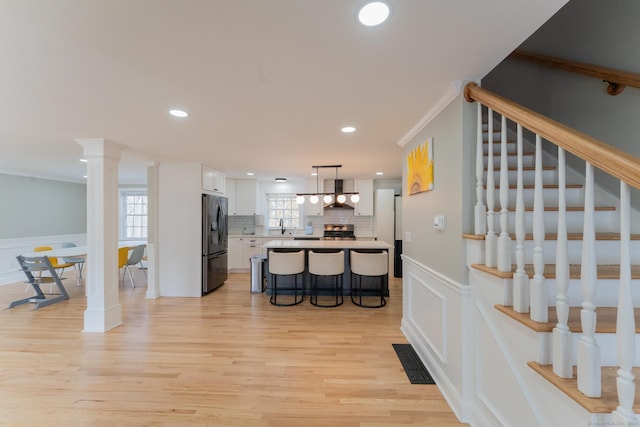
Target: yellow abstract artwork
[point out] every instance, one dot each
(420, 168)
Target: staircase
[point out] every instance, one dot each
(553, 262)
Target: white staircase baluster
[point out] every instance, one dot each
(520, 277)
(539, 307)
(491, 240)
(588, 350)
(504, 241)
(625, 325)
(562, 345)
(481, 209)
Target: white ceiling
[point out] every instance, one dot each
(268, 84)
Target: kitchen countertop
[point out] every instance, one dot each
(288, 236)
(327, 244)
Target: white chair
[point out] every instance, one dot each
(330, 264)
(77, 261)
(134, 259)
(369, 265)
(286, 264)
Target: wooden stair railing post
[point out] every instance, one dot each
(491, 240)
(625, 324)
(504, 241)
(480, 209)
(539, 305)
(520, 278)
(589, 358)
(562, 342)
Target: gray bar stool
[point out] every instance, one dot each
(369, 264)
(326, 264)
(286, 263)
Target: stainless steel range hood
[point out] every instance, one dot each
(338, 188)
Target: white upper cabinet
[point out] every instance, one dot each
(308, 207)
(242, 195)
(230, 193)
(365, 206)
(212, 180)
(246, 196)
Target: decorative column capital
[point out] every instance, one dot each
(100, 148)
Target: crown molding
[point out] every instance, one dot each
(451, 94)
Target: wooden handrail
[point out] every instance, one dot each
(615, 162)
(617, 80)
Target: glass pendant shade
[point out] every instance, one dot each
(314, 199)
(341, 198)
(327, 199)
(355, 198)
(300, 200)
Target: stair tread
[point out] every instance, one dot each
(605, 404)
(605, 323)
(554, 236)
(526, 168)
(548, 186)
(605, 271)
(556, 208)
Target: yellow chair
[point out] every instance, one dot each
(54, 263)
(123, 257)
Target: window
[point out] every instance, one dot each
(133, 216)
(283, 207)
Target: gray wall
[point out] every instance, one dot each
(39, 207)
(452, 196)
(590, 31)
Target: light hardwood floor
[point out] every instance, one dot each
(228, 359)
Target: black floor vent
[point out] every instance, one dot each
(413, 366)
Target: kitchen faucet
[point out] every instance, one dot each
(282, 229)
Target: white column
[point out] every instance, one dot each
(153, 286)
(103, 306)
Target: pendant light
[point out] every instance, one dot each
(327, 197)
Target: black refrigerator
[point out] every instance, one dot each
(214, 242)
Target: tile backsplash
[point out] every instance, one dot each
(363, 225)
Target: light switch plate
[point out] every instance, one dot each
(438, 222)
(407, 236)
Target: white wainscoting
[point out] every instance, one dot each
(436, 320)
(11, 248)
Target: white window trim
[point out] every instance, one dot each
(287, 225)
(122, 217)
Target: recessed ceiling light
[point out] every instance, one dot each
(84, 176)
(250, 173)
(348, 129)
(314, 173)
(83, 160)
(374, 13)
(178, 113)
(379, 173)
(281, 179)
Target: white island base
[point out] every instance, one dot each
(320, 245)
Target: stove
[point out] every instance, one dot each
(338, 232)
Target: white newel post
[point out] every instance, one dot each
(153, 285)
(103, 305)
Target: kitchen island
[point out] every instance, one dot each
(307, 245)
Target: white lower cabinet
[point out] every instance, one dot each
(234, 254)
(251, 246)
